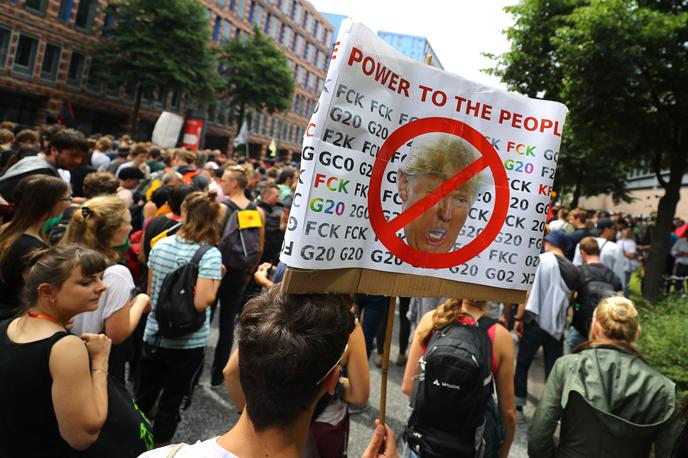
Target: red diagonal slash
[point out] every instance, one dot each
(438, 194)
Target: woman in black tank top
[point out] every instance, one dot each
(53, 384)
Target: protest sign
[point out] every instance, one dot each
(418, 182)
(167, 129)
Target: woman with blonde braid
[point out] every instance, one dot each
(501, 364)
(608, 400)
(102, 224)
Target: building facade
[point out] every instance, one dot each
(45, 48)
(411, 46)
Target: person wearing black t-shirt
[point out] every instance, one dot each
(37, 198)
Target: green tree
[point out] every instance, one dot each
(158, 43)
(621, 67)
(255, 74)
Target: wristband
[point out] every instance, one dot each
(518, 319)
(99, 369)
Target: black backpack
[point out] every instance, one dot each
(595, 286)
(240, 248)
(175, 311)
(451, 393)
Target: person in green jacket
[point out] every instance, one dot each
(609, 401)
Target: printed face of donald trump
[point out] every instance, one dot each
(433, 160)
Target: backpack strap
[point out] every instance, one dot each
(202, 250)
(228, 212)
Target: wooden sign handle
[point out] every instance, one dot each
(385, 356)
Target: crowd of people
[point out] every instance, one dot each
(101, 234)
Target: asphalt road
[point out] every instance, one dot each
(212, 414)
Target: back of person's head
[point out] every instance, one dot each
(95, 224)
(286, 174)
(176, 196)
(589, 246)
(53, 267)
(201, 222)
(185, 155)
(618, 318)
(34, 197)
(562, 213)
(69, 139)
(288, 344)
(27, 136)
(103, 144)
(272, 173)
(238, 174)
(154, 153)
(6, 137)
(140, 149)
(580, 214)
(99, 184)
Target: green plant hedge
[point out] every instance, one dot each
(664, 340)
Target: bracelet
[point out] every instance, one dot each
(518, 319)
(99, 369)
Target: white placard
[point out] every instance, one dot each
(167, 128)
(407, 168)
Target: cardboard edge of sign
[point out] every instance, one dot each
(348, 281)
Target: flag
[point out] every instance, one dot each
(242, 137)
(248, 219)
(273, 148)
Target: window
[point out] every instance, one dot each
(130, 92)
(221, 3)
(37, 6)
(93, 82)
(226, 32)
(240, 8)
(268, 19)
(232, 5)
(112, 89)
(251, 11)
(86, 14)
(315, 29)
(174, 102)
(255, 125)
(4, 45)
(65, 13)
(237, 33)
(286, 4)
(25, 56)
(258, 18)
(305, 21)
(305, 50)
(281, 34)
(76, 69)
(297, 12)
(307, 80)
(274, 27)
(51, 61)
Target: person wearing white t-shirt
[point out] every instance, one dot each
(611, 254)
(630, 251)
(290, 347)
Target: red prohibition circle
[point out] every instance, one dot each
(386, 230)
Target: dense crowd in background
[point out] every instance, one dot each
(102, 235)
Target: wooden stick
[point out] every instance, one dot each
(385, 356)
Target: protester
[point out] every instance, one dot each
(38, 199)
(499, 362)
(680, 253)
(274, 235)
(53, 385)
(606, 399)
(630, 251)
(281, 392)
(541, 320)
(100, 184)
(99, 157)
(103, 224)
(611, 255)
(235, 281)
(596, 282)
(329, 431)
(168, 365)
(129, 179)
(67, 149)
(285, 181)
(578, 218)
(561, 224)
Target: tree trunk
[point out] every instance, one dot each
(577, 192)
(653, 284)
(242, 112)
(134, 118)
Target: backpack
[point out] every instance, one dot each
(240, 241)
(451, 394)
(595, 286)
(175, 311)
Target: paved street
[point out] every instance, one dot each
(212, 414)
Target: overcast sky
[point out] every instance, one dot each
(458, 30)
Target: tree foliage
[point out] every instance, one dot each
(158, 43)
(621, 67)
(255, 74)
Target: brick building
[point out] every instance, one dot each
(45, 50)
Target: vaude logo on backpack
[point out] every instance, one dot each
(240, 242)
(175, 311)
(450, 393)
